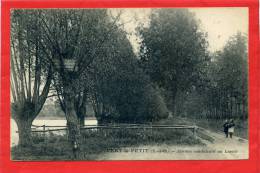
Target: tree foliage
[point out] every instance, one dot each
(173, 49)
(230, 75)
(121, 91)
(223, 94)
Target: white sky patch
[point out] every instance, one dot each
(219, 23)
(130, 19)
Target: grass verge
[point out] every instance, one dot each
(94, 143)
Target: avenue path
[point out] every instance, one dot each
(221, 148)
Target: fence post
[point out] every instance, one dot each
(194, 131)
(44, 131)
(44, 140)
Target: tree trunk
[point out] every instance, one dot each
(244, 107)
(100, 120)
(82, 120)
(73, 125)
(24, 131)
(81, 116)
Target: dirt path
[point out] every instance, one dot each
(220, 149)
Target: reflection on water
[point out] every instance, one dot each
(40, 122)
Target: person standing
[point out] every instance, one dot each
(231, 128)
(225, 126)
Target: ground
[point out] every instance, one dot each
(221, 148)
(207, 144)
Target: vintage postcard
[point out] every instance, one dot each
(129, 87)
(129, 84)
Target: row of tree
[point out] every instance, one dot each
(79, 56)
(224, 95)
(54, 48)
(195, 82)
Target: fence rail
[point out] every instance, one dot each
(120, 126)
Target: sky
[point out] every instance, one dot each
(219, 23)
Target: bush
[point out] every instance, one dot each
(146, 106)
(153, 107)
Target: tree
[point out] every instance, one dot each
(172, 50)
(231, 76)
(31, 73)
(222, 91)
(121, 91)
(74, 38)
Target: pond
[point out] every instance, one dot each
(48, 122)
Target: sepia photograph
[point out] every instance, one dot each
(129, 84)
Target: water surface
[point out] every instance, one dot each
(46, 122)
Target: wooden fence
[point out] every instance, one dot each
(45, 128)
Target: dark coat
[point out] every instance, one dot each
(226, 126)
